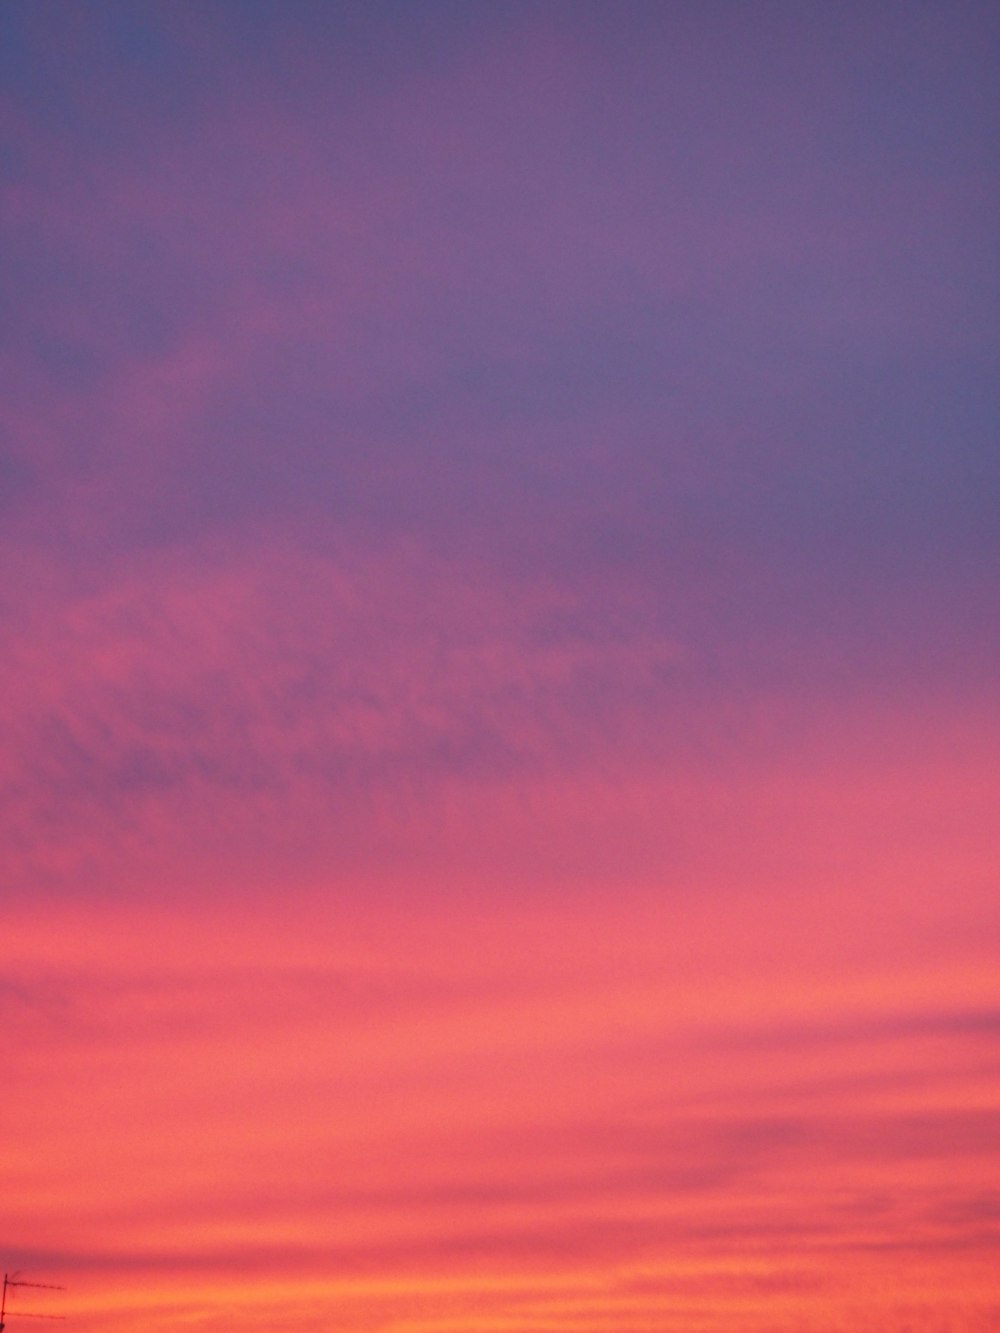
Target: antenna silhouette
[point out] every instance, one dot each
(15, 1280)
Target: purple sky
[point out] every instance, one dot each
(663, 325)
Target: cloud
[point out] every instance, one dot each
(249, 676)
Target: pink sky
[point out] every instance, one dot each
(498, 709)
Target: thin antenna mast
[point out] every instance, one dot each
(13, 1280)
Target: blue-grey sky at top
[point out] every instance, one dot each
(687, 312)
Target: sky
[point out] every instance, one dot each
(498, 665)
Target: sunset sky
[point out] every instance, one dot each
(499, 732)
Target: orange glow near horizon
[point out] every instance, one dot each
(660, 1111)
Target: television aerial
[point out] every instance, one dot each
(15, 1280)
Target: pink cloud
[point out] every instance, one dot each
(563, 1130)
